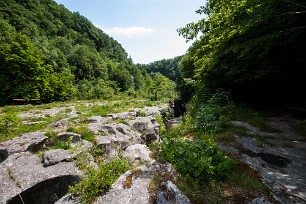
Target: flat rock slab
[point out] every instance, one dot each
(33, 141)
(280, 159)
(24, 174)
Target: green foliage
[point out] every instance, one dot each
(52, 54)
(241, 51)
(198, 159)
(167, 67)
(162, 88)
(54, 143)
(22, 71)
(96, 182)
(213, 114)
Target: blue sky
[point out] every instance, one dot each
(145, 28)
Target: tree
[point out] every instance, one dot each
(22, 70)
(252, 48)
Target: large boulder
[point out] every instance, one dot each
(23, 176)
(32, 142)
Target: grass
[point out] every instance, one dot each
(85, 133)
(96, 182)
(54, 143)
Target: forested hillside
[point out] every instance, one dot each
(252, 49)
(52, 54)
(167, 67)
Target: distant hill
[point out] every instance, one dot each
(167, 67)
(52, 54)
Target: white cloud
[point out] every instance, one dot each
(129, 32)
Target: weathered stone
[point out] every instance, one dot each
(132, 187)
(260, 200)
(23, 175)
(60, 123)
(279, 157)
(98, 119)
(96, 122)
(150, 110)
(86, 145)
(123, 115)
(69, 199)
(171, 194)
(148, 127)
(105, 142)
(55, 156)
(69, 137)
(137, 152)
(33, 142)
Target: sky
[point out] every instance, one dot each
(145, 28)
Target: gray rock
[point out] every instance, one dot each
(23, 175)
(171, 194)
(137, 152)
(148, 127)
(86, 145)
(123, 115)
(60, 123)
(98, 119)
(260, 200)
(69, 137)
(69, 199)
(55, 156)
(33, 142)
(96, 122)
(132, 187)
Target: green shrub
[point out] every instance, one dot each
(96, 182)
(213, 114)
(198, 159)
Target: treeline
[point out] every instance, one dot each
(52, 54)
(167, 67)
(254, 50)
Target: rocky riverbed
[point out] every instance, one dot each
(30, 172)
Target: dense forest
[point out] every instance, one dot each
(51, 54)
(254, 50)
(167, 67)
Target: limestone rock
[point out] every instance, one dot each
(69, 199)
(33, 141)
(137, 152)
(260, 200)
(55, 156)
(23, 175)
(148, 126)
(69, 136)
(171, 195)
(132, 187)
(123, 115)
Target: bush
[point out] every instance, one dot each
(197, 159)
(213, 114)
